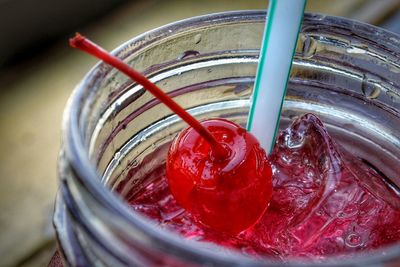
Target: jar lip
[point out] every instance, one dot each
(78, 159)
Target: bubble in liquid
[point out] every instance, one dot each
(295, 141)
(353, 240)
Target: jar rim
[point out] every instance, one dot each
(78, 158)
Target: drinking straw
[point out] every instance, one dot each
(276, 56)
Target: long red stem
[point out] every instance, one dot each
(89, 47)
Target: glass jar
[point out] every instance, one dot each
(346, 72)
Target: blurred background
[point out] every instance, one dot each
(38, 72)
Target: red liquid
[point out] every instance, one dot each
(325, 202)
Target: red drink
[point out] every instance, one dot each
(325, 202)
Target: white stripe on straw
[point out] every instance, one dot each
(276, 56)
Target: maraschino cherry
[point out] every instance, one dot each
(216, 170)
(228, 194)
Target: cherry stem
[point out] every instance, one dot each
(91, 48)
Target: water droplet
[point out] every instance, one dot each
(369, 88)
(241, 89)
(318, 16)
(396, 40)
(117, 155)
(134, 163)
(114, 112)
(197, 38)
(393, 96)
(355, 50)
(309, 46)
(188, 53)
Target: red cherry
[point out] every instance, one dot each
(227, 194)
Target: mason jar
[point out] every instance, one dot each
(346, 72)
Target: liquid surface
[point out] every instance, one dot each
(325, 202)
